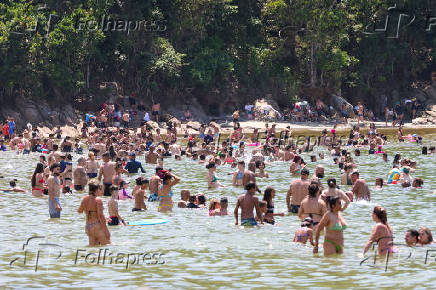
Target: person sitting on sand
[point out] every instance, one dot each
(305, 232)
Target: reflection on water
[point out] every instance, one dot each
(197, 250)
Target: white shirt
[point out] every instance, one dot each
(146, 117)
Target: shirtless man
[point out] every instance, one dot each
(155, 111)
(154, 185)
(151, 156)
(248, 202)
(107, 171)
(79, 174)
(139, 194)
(53, 187)
(100, 146)
(360, 187)
(50, 142)
(91, 166)
(298, 189)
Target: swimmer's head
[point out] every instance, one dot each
(201, 199)
(380, 213)
(214, 204)
(114, 190)
(263, 206)
(93, 187)
(224, 202)
(333, 202)
(331, 182)
(13, 183)
(251, 186)
(417, 182)
(307, 222)
(379, 181)
(305, 172)
(313, 189)
(406, 170)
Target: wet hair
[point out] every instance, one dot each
(250, 186)
(331, 182)
(424, 150)
(13, 183)
(397, 158)
(224, 200)
(53, 166)
(210, 165)
(201, 199)
(380, 212)
(418, 181)
(305, 171)
(114, 188)
(192, 198)
(158, 169)
(296, 158)
(331, 201)
(93, 187)
(380, 180)
(202, 157)
(267, 195)
(39, 169)
(262, 204)
(213, 203)
(313, 189)
(428, 232)
(414, 233)
(357, 152)
(139, 181)
(431, 148)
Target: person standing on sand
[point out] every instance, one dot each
(155, 111)
(53, 187)
(248, 202)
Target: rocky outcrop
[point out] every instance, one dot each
(337, 103)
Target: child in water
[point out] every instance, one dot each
(114, 216)
(122, 193)
(305, 232)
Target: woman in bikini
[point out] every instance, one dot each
(312, 206)
(38, 181)
(295, 167)
(268, 197)
(334, 224)
(212, 181)
(165, 191)
(261, 173)
(382, 233)
(95, 228)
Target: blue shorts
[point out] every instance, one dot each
(153, 197)
(294, 208)
(52, 208)
(92, 175)
(248, 222)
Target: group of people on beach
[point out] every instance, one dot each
(112, 154)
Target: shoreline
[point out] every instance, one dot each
(300, 129)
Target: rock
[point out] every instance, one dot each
(153, 124)
(430, 91)
(175, 122)
(194, 125)
(338, 101)
(266, 105)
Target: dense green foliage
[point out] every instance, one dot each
(243, 48)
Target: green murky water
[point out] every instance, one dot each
(194, 250)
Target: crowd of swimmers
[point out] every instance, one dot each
(114, 153)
